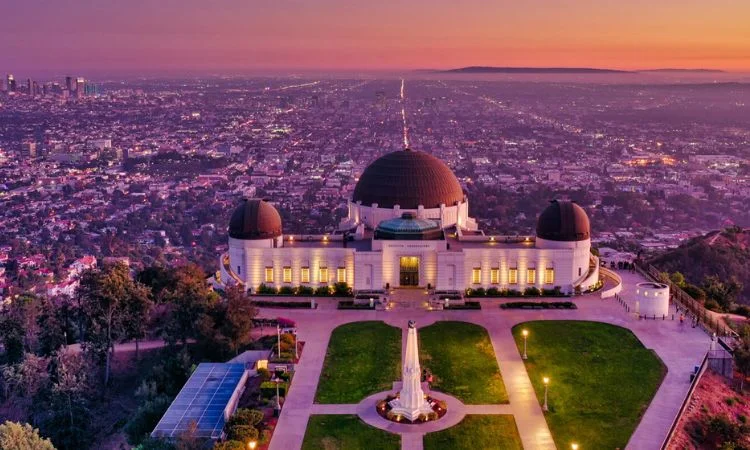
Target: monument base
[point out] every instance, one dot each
(411, 414)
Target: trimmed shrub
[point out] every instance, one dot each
(281, 304)
(342, 289)
(539, 305)
(264, 289)
(286, 290)
(242, 433)
(305, 291)
(349, 304)
(532, 291)
(493, 292)
(322, 291)
(268, 389)
(245, 416)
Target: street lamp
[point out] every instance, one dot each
(574, 446)
(545, 407)
(525, 334)
(251, 445)
(278, 338)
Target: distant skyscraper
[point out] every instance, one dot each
(80, 88)
(11, 83)
(29, 87)
(69, 84)
(28, 149)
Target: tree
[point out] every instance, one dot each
(137, 307)
(742, 355)
(230, 445)
(143, 421)
(189, 302)
(18, 326)
(64, 405)
(104, 293)
(27, 377)
(724, 293)
(17, 436)
(237, 321)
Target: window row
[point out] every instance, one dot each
(476, 276)
(304, 275)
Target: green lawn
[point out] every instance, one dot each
(462, 361)
(487, 432)
(346, 432)
(363, 358)
(601, 380)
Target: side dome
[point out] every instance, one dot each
(408, 178)
(563, 221)
(255, 219)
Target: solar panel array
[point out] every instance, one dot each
(202, 400)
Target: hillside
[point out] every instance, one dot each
(722, 253)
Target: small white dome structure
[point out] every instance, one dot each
(652, 299)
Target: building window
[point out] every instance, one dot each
(513, 276)
(549, 276)
(341, 274)
(269, 275)
(495, 275)
(323, 275)
(239, 270)
(305, 274)
(530, 276)
(287, 274)
(476, 275)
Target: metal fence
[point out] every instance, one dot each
(693, 307)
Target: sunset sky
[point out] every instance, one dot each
(215, 35)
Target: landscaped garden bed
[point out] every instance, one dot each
(465, 305)
(346, 432)
(505, 293)
(283, 304)
(539, 305)
(362, 358)
(350, 304)
(462, 361)
(602, 379)
(486, 432)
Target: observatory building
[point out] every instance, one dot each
(408, 225)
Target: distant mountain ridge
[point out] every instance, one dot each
(489, 69)
(563, 70)
(723, 253)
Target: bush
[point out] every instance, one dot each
(712, 305)
(554, 292)
(229, 445)
(145, 418)
(695, 292)
(266, 290)
(493, 292)
(242, 433)
(532, 291)
(155, 444)
(264, 374)
(282, 304)
(305, 291)
(512, 293)
(742, 310)
(466, 305)
(268, 389)
(286, 290)
(538, 305)
(342, 289)
(322, 291)
(245, 416)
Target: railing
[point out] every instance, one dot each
(611, 292)
(692, 306)
(670, 435)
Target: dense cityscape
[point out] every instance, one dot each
(148, 170)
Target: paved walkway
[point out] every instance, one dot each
(679, 347)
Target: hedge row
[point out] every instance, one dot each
(539, 305)
(349, 304)
(289, 305)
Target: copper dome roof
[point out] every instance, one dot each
(408, 178)
(563, 221)
(255, 219)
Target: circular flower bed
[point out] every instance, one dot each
(439, 409)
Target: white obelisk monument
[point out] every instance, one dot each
(411, 402)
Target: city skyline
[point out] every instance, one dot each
(75, 35)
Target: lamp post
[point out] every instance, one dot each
(278, 338)
(278, 402)
(525, 334)
(545, 407)
(296, 354)
(574, 446)
(251, 445)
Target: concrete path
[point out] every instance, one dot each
(680, 348)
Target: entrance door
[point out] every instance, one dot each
(409, 271)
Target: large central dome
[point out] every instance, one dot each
(408, 178)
